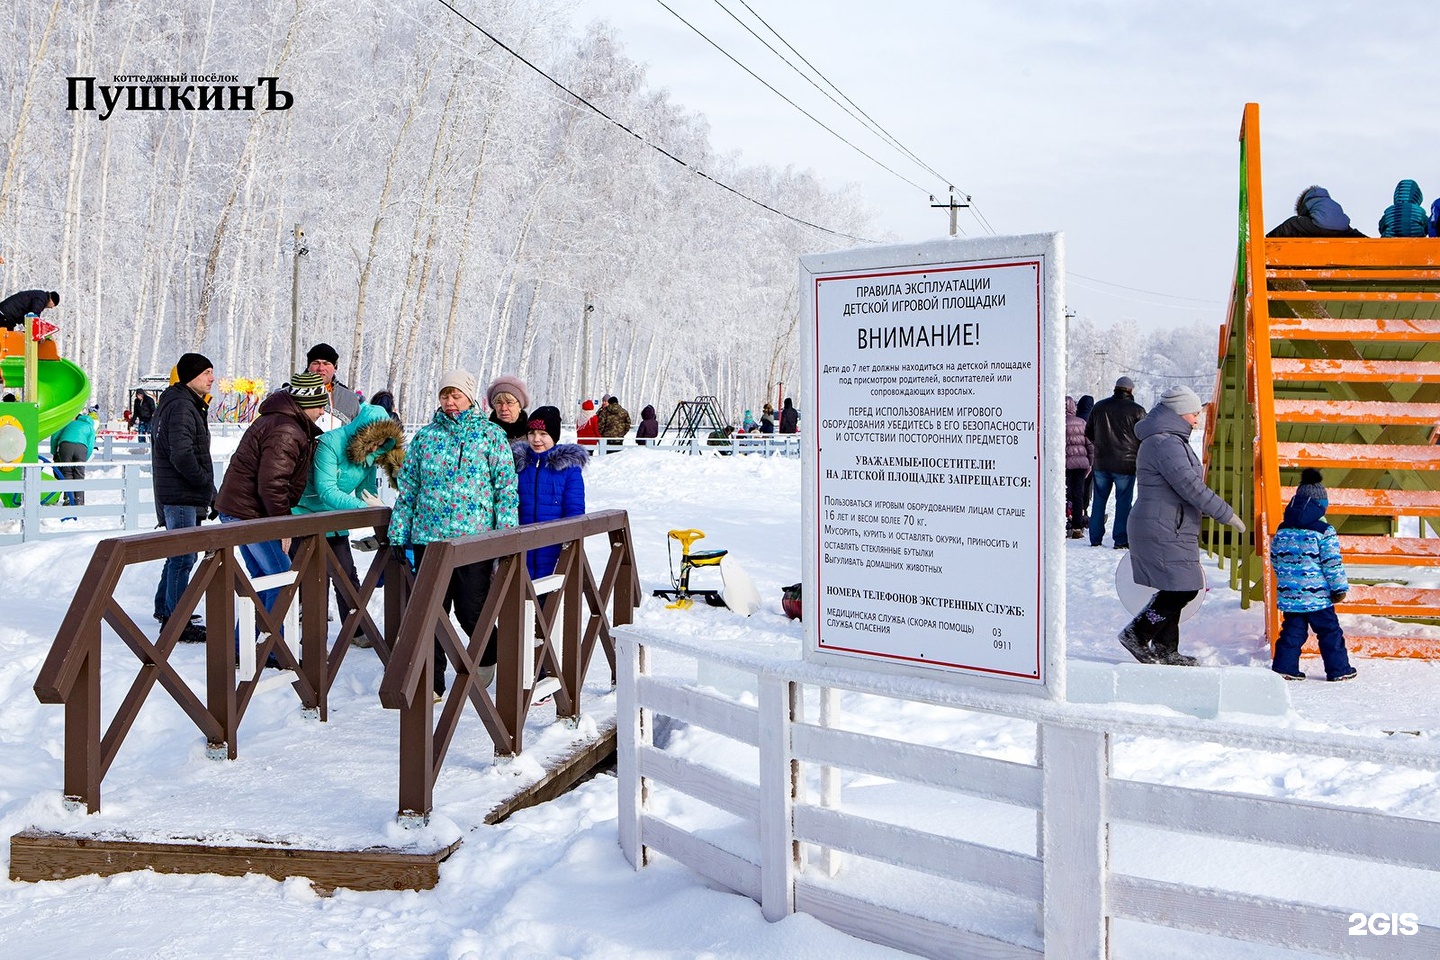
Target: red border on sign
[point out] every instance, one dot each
(814, 434)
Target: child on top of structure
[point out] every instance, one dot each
(1305, 553)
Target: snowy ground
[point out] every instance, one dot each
(551, 881)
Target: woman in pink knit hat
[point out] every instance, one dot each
(508, 398)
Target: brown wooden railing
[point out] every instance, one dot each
(71, 672)
(579, 605)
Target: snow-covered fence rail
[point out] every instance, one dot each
(118, 490)
(1050, 882)
(758, 444)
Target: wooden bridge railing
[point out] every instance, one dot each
(573, 616)
(71, 672)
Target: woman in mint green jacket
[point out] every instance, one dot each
(343, 477)
(458, 479)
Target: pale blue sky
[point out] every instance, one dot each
(1114, 122)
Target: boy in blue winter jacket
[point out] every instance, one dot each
(1310, 577)
(549, 482)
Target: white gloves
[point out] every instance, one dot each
(370, 499)
(1237, 523)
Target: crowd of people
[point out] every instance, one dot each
(1146, 459)
(465, 471)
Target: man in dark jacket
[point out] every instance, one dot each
(1316, 215)
(14, 307)
(183, 474)
(789, 417)
(142, 411)
(1111, 428)
(269, 469)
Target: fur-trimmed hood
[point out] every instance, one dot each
(562, 456)
(379, 438)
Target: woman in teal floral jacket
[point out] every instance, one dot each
(458, 478)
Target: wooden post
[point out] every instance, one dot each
(417, 744)
(314, 623)
(1074, 842)
(572, 599)
(632, 731)
(509, 682)
(82, 730)
(829, 777)
(777, 799)
(220, 651)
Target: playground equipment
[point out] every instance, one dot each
(1330, 358)
(694, 418)
(54, 391)
(738, 591)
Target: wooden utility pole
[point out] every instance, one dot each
(299, 251)
(585, 312)
(954, 206)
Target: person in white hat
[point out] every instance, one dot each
(1165, 526)
(458, 478)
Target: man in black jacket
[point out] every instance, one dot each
(1111, 428)
(184, 474)
(14, 307)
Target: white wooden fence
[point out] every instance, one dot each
(1063, 898)
(119, 490)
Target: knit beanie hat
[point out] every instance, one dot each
(190, 366)
(511, 385)
(1182, 400)
(461, 380)
(308, 390)
(1125, 383)
(1312, 485)
(547, 419)
(322, 351)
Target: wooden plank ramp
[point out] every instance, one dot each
(48, 855)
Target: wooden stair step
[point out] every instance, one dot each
(1413, 275)
(1369, 502)
(1353, 328)
(1404, 551)
(1356, 296)
(1357, 411)
(1419, 648)
(1351, 253)
(1372, 456)
(1356, 371)
(1391, 601)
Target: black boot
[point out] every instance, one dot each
(1167, 645)
(1140, 633)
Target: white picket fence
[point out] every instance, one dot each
(758, 444)
(1062, 899)
(119, 492)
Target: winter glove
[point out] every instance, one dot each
(1337, 596)
(1237, 523)
(370, 499)
(214, 514)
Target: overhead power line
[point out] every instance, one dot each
(817, 121)
(643, 139)
(868, 120)
(853, 109)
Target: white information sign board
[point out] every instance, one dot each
(933, 471)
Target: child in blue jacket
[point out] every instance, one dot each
(549, 481)
(1310, 576)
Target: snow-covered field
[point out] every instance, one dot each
(551, 881)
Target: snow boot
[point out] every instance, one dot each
(1167, 644)
(1141, 632)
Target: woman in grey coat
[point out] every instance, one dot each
(1171, 496)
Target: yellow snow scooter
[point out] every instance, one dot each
(738, 591)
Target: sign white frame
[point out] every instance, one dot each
(979, 307)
